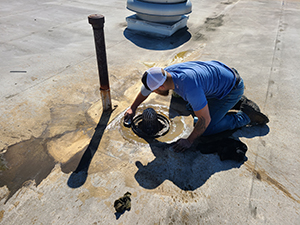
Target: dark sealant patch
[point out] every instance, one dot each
(30, 160)
(226, 3)
(212, 23)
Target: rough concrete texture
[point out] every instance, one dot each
(51, 116)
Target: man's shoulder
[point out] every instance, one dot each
(181, 65)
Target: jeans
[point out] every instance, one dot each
(218, 109)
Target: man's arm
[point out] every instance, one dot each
(201, 125)
(129, 114)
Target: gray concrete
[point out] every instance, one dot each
(50, 106)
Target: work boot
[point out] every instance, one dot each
(245, 101)
(255, 116)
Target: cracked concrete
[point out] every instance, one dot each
(52, 121)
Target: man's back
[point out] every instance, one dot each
(198, 81)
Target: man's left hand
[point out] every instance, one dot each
(181, 145)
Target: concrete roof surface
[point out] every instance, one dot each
(52, 120)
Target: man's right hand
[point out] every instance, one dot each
(129, 114)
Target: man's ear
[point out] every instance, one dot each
(162, 87)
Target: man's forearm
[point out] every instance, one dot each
(202, 123)
(199, 129)
(138, 100)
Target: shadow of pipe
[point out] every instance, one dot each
(78, 177)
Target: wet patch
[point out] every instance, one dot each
(27, 160)
(63, 141)
(181, 55)
(178, 125)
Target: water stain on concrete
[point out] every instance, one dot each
(27, 160)
(180, 55)
(96, 192)
(34, 159)
(3, 164)
(1, 215)
(262, 175)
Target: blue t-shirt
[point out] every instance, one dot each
(198, 81)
